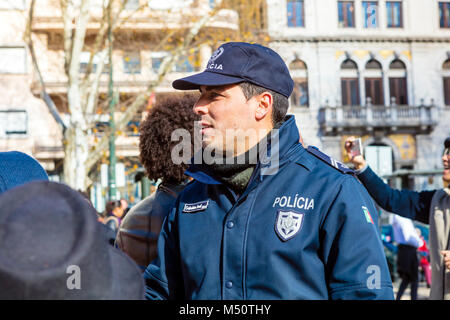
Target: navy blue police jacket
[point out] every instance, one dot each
(306, 230)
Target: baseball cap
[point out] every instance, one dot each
(235, 62)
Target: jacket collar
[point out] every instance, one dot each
(279, 148)
(171, 188)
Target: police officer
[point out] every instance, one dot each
(280, 223)
(430, 207)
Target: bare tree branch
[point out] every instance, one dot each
(29, 41)
(93, 94)
(142, 98)
(68, 30)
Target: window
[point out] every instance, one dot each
(444, 14)
(350, 83)
(350, 91)
(374, 83)
(299, 72)
(373, 65)
(374, 90)
(370, 14)
(349, 65)
(394, 14)
(84, 61)
(132, 5)
(13, 60)
(184, 64)
(446, 69)
(346, 12)
(397, 65)
(12, 4)
(397, 87)
(295, 13)
(157, 59)
(132, 62)
(447, 91)
(299, 97)
(397, 83)
(13, 122)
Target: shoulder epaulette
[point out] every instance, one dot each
(330, 161)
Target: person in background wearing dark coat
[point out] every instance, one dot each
(429, 206)
(408, 241)
(139, 231)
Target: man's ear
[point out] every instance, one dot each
(264, 107)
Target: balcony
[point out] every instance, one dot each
(366, 119)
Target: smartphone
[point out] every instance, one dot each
(356, 148)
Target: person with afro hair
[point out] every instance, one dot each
(139, 231)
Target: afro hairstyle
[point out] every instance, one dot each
(168, 114)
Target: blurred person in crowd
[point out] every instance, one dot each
(86, 197)
(113, 215)
(430, 207)
(17, 168)
(424, 263)
(53, 248)
(408, 241)
(139, 231)
(266, 218)
(125, 207)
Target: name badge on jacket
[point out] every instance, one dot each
(195, 207)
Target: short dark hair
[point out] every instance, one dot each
(155, 144)
(447, 143)
(280, 102)
(111, 205)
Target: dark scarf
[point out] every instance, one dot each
(236, 173)
(235, 176)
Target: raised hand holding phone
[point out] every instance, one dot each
(354, 150)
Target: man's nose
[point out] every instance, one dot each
(200, 108)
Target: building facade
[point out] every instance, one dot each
(26, 120)
(375, 69)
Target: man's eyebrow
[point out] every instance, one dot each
(217, 89)
(209, 88)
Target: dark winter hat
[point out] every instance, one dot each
(236, 62)
(52, 247)
(17, 168)
(447, 143)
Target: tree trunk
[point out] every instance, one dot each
(76, 154)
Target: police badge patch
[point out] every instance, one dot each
(288, 224)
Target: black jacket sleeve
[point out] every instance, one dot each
(406, 203)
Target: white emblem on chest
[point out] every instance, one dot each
(288, 224)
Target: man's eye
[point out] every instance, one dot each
(214, 95)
